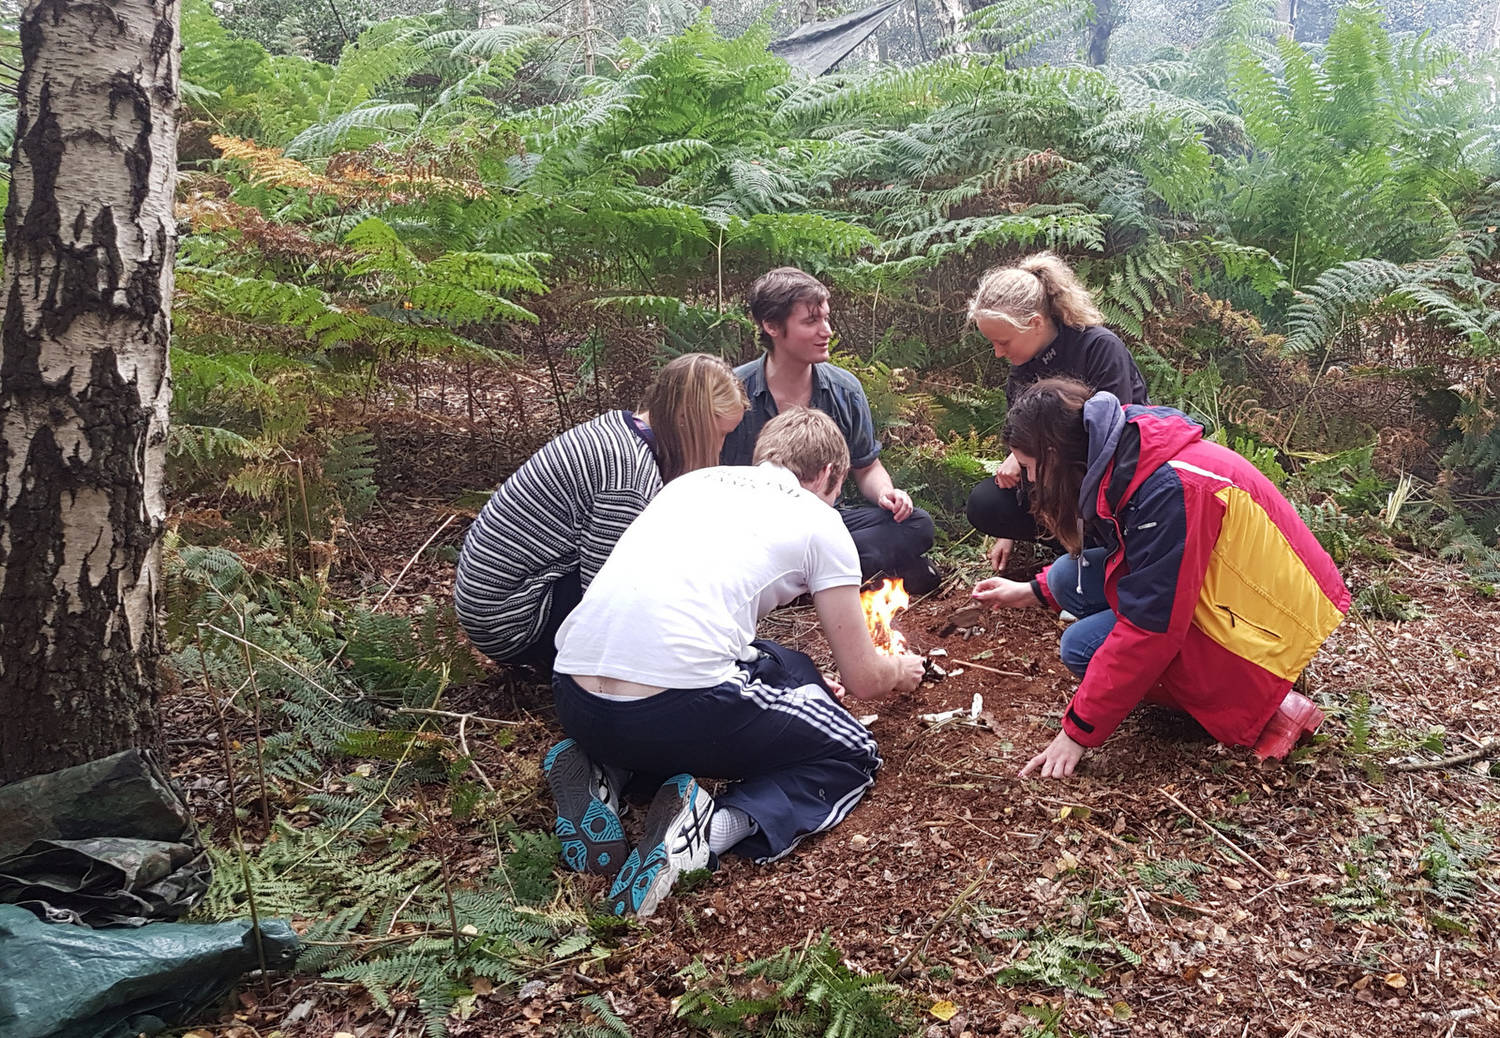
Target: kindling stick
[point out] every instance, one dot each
(1217, 835)
(992, 670)
(1485, 752)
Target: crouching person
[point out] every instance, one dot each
(659, 673)
(1208, 594)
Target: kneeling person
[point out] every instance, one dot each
(659, 672)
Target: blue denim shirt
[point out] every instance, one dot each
(835, 392)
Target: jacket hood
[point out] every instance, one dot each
(1103, 421)
(1136, 439)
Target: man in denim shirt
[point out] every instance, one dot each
(790, 308)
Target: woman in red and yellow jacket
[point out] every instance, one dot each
(1210, 595)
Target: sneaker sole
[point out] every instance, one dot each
(675, 841)
(593, 840)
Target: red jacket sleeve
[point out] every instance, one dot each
(1168, 533)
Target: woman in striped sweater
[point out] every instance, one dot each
(544, 534)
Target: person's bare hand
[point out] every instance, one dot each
(896, 502)
(1009, 473)
(999, 553)
(1058, 760)
(1003, 593)
(909, 672)
(836, 687)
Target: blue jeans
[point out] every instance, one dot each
(1084, 598)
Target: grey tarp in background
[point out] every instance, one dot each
(817, 46)
(107, 843)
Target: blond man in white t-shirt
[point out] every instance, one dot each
(659, 672)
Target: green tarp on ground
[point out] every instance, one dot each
(96, 861)
(63, 981)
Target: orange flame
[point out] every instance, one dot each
(880, 606)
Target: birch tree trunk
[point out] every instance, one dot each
(1286, 14)
(951, 13)
(84, 387)
(1107, 18)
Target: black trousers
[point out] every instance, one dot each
(798, 759)
(567, 592)
(1001, 512)
(891, 548)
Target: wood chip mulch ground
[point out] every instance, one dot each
(1278, 898)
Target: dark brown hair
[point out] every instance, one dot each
(777, 293)
(1046, 425)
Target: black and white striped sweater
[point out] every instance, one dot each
(563, 510)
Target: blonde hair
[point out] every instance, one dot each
(1039, 284)
(806, 441)
(685, 401)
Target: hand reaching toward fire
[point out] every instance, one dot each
(909, 671)
(1003, 593)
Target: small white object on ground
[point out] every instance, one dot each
(946, 715)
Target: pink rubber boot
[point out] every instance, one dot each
(1296, 717)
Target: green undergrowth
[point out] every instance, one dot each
(808, 991)
(381, 824)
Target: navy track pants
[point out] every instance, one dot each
(799, 762)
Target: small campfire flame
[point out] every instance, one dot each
(880, 606)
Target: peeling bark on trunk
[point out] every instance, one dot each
(1107, 19)
(951, 13)
(84, 386)
(1286, 14)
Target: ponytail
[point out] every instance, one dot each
(1039, 284)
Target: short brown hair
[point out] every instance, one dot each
(806, 441)
(776, 294)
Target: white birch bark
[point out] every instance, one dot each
(951, 12)
(84, 382)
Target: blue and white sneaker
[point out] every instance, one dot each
(588, 811)
(675, 841)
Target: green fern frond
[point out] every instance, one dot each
(375, 118)
(1013, 28)
(1321, 307)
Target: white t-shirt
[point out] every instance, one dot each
(678, 600)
